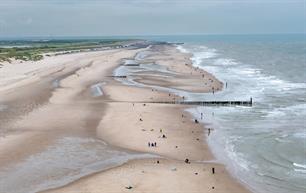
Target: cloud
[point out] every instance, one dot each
(3, 25)
(138, 3)
(129, 17)
(28, 21)
(2, 22)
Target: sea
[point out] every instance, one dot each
(264, 146)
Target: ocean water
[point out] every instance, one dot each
(265, 145)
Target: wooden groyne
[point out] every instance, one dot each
(118, 76)
(205, 103)
(131, 65)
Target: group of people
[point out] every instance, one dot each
(196, 121)
(152, 144)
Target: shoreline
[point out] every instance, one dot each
(190, 144)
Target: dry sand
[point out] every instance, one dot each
(168, 176)
(118, 117)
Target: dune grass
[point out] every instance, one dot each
(34, 50)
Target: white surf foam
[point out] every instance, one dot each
(225, 62)
(300, 168)
(300, 135)
(300, 165)
(294, 110)
(202, 53)
(182, 49)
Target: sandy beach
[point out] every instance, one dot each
(76, 96)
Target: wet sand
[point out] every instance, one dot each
(118, 118)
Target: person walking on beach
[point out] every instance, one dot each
(201, 115)
(154, 144)
(149, 144)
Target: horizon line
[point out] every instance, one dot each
(124, 36)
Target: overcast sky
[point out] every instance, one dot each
(19, 18)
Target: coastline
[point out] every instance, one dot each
(126, 124)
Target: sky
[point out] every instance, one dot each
(37, 18)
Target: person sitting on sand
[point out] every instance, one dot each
(187, 161)
(164, 136)
(129, 187)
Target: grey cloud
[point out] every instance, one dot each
(137, 17)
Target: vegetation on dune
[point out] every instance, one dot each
(8, 54)
(34, 50)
